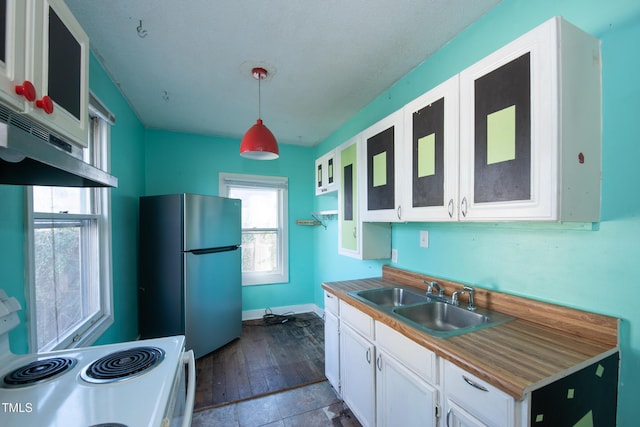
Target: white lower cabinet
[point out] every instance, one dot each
(332, 348)
(406, 381)
(458, 417)
(402, 398)
(357, 375)
(385, 378)
(469, 401)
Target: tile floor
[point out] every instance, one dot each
(315, 405)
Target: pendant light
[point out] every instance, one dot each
(259, 143)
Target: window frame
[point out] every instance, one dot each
(227, 180)
(91, 328)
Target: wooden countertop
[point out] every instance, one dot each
(545, 343)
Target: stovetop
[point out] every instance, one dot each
(89, 391)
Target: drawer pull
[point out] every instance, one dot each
(474, 384)
(368, 355)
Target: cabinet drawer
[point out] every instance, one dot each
(480, 399)
(331, 303)
(411, 354)
(356, 319)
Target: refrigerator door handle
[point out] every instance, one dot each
(214, 250)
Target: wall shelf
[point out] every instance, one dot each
(320, 218)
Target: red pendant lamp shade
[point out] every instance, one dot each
(259, 143)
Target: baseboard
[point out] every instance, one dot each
(302, 308)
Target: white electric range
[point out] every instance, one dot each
(132, 384)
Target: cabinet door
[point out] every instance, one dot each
(357, 375)
(415, 406)
(59, 70)
(319, 176)
(332, 350)
(326, 176)
(502, 164)
(478, 398)
(458, 417)
(381, 149)
(348, 220)
(331, 178)
(430, 155)
(518, 112)
(12, 52)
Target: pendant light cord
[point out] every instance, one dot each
(259, 98)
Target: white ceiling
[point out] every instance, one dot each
(327, 59)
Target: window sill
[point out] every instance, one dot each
(255, 279)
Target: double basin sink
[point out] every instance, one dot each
(429, 313)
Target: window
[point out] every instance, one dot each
(264, 226)
(69, 254)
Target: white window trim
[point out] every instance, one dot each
(250, 279)
(98, 324)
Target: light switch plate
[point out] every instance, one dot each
(424, 239)
(394, 256)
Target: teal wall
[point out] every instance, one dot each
(188, 163)
(595, 270)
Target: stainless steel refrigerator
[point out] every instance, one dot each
(190, 269)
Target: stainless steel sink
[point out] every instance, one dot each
(389, 297)
(444, 320)
(431, 314)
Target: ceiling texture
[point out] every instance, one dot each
(185, 66)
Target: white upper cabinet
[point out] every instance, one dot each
(58, 67)
(430, 155)
(382, 166)
(357, 239)
(327, 174)
(12, 56)
(530, 129)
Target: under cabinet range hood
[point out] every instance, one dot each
(31, 155)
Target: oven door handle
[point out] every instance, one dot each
(189, 360)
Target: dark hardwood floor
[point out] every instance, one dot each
(268, 358)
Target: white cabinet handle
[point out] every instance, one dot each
(474, 384)
(379, 363)
(448, 416)
(368, 356)
(463, 206)
(450, 208)
(399, 212)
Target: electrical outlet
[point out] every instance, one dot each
(424, 239)
(394, 256)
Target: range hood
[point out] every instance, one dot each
(31, 155)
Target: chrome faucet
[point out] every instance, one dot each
(471, 291)
(454, 297)
(436, 285)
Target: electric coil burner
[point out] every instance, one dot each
(38, 371)
(123, 365)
